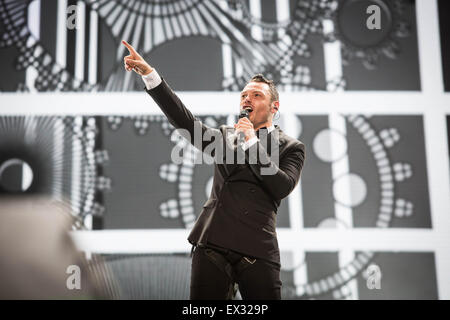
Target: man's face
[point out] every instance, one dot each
(256, 98)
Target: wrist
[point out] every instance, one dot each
(250, 136)
(152, 79)
(147, 71)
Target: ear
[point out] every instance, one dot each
(275, 107)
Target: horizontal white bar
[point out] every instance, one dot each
(168, 241)
(106, 103)
(132, 241)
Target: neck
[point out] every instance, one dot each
(265, 124)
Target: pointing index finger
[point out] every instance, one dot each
(129, 47)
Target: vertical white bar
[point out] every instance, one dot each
(295, 199)
(290, 126)
(93, 49)
(79, 42)
(227, 57)
(34, 18)
(34, 21)
(435, 132)
(255, 11)
(442, 274)
(239, 68)
(339, 168)
(296, 208)
(148, 41)
(332, 54)
(283, 13)
(429, 46)
(300, 273)
(61, 33)
(439, 182)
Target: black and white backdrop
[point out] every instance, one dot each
(371, 106)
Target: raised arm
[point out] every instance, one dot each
(174, 109)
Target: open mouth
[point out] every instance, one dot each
(248, 108)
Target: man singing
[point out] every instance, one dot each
(234, 238)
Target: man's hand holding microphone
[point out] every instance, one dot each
(244, 128)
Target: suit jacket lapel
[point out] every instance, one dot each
(230, 169)
(266, 142)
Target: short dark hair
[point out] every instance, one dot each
(272, 88)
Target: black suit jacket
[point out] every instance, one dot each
(240, 213)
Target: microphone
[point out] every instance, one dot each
(243, 114)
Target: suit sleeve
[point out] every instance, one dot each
(279, 179)
(180, 117)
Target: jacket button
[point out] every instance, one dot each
(220, 204)
(246, 212)
(252, 190)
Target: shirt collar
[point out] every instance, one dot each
(269, 129)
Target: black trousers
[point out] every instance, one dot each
(216, 271)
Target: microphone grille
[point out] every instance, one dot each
(243, 114)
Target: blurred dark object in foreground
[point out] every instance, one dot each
(38, 257)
